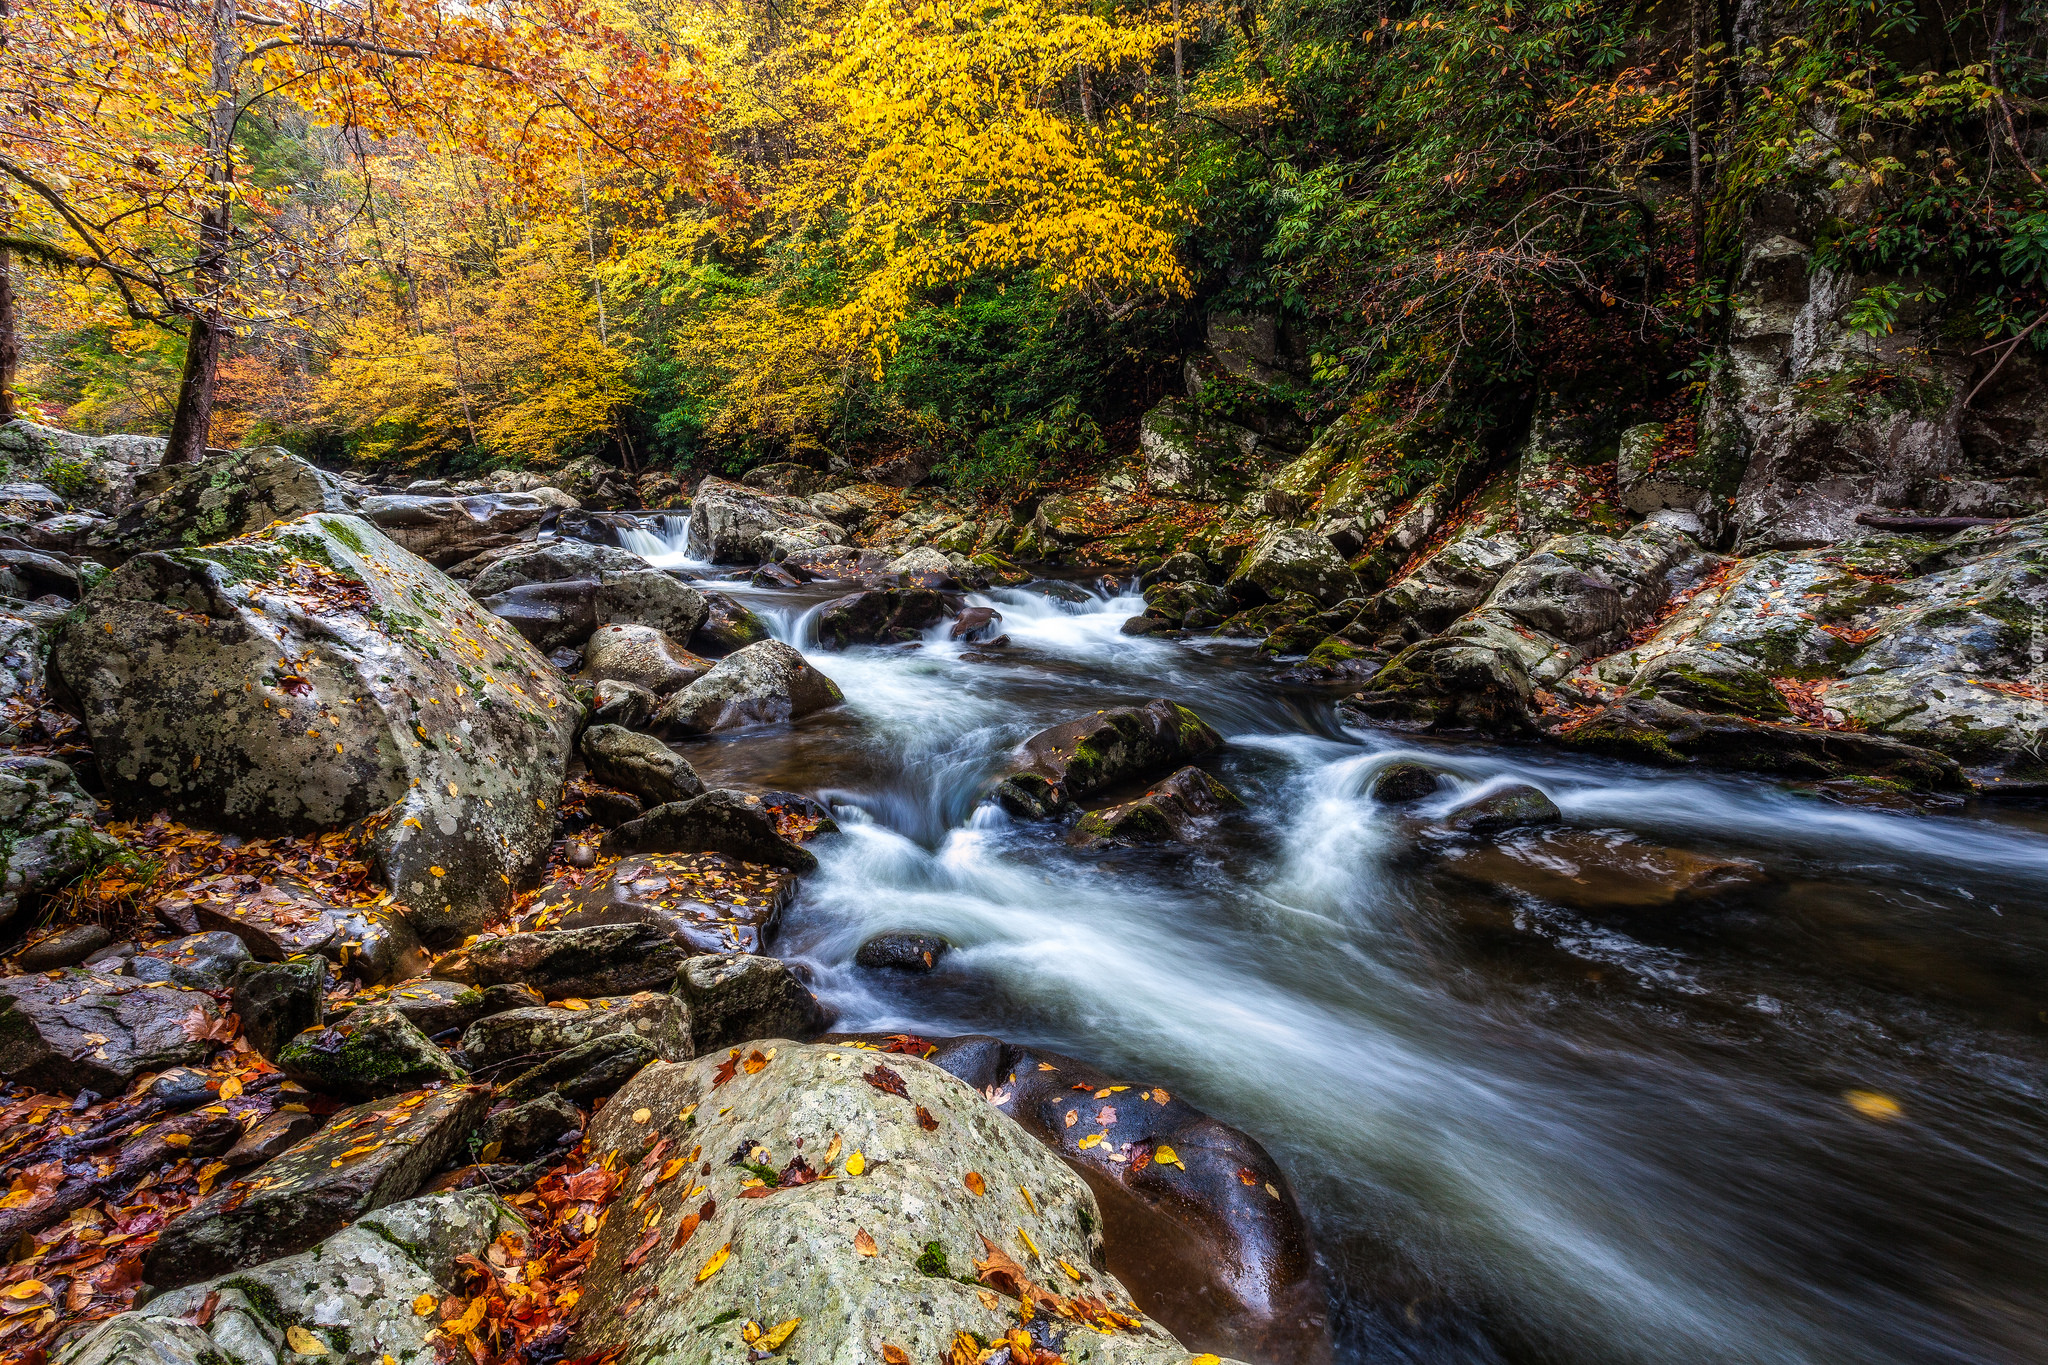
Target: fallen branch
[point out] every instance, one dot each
(1938, 524)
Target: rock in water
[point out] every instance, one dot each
(84, 1030)
(641, 764)
(626, 588)
(925, 1191)
(317, 674)
(728, 626)
(1169, 813)
(902, 951)
(762, 684)
(643, 657)
(743, 525)
(1124, 744)
(1510, 807)
(879, 616)
(735, 823)
(365, 1158)
(354, 1293)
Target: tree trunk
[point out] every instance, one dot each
(1176, 56)
(208, 336)
(1087, 94)
(10, 344)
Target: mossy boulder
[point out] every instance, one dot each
(1086, 755)
(368, 1054)
(219, 498)
(1172, 812)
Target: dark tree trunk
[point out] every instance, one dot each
(204, 344)
(208, 336)
(10, 339)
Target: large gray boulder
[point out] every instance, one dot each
(220, 497)
(741, 525)
(89, 471)
(47, 830)
(1287, 559)
(354, 1293)
(365, 1158)
(922, 1165)
(1193, 457)
(763, 684)
(643, 656)
(315, 675)
(1126, 743)
(85, 1030)
(446, 530)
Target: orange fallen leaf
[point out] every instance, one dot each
(975, 1184)
(863, 1243)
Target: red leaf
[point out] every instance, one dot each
(886, 1081)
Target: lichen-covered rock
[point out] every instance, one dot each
(523, 1037)
(219, 498)
(47, 830)
(90, 471)
(203, 962)
(1288, 559)
(369, 1053)
(707, 902)
(741, 525)
(317, 674)
(739, 824)
(447, 530)
(640, 764)
(879, 617)
(354, 1293)
(643, 657)
(1187, 604)
(437, 1006)
(792, 1254)
(763, 684)
(84, 1030)
(1171, 812)
(364, 1159)
(281, 917)
(605, 959)
(277, 1001)
(1127, 743)
(1189, 456)
(737, 997)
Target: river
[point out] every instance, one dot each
(1800, 1123)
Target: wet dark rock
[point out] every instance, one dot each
(1146, 625)
(720, 821)
(181, 1087)
(739, 997)
(66, 946)
(607, 809)
(903, 952)
(276, 1001)
(446, 530)
(641, 764)
(1058, 590)
(837, 562)
(565, 659)
(605, 959)
(370, 1053)
(1170, 813)
(436, 1006)
(1404, 781)
(774, 576)
(204, 962)
(526, 1130)
(625, 589)
(1182, 566)
(86, 1030)
(1188, 605)
(1597, 870)
(281, 918)
(706, 902)
(763, 684)
(552, 616)
(273, 1136)
(1648, 730)
(1127, 743)
(1510, 807)
(728, 626)
(46, 823)
(523, 1037)
(623, 703)
(313, 1190)
(585, 1071)
(643, 656)
(880, 617)
(1215, 1248)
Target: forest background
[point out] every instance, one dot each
(698, 236)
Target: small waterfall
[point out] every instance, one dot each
(663, 540)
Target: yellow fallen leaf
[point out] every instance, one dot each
(1090, 1141)
(1206, 1359)
(1872, 1105)
(642, 1115)
(573, 1004)
(772, 1339)
(1029, 1203)
(1029, 1245)
(424, 1306)
(27, 1289)
(469, 1319)
(671, 1168)
(894, 1355)
(832, 1152)
(856, 1163)
(863, 1243)
(1072, 1273)
(1166, 1156)
(304, 1342)
(231, 1087)
(490, 1151)
(750, 1332)
(975, 1184)
(438, 871)
(178, 1139)
(715, 1264)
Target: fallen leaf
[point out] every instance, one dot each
(1072, 1273)
(424, 1306)
(887, 1081)
(1090, 1141)
(926, 1121)
(1872, 1105)
(671, 1168)
(304, 1342)
(863, 1243)
(975, 1184)
(683, 1233)
(27, 1289)
(772, 1339)
(894, 1355)
(642, 1115)
(715, 1264)
(572, 1003)
(1166, 1156)
(231, 1087)
(756, 1060)
(856, 1163)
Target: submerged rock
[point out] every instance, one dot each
(1127, 743)
(317, 675)
(763, 684)
(880, 617)
(365, 1158)
(1600, 870)
(792, 1254)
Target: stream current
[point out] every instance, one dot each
(1803, 1122)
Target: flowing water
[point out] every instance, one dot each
(1801, 1123)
